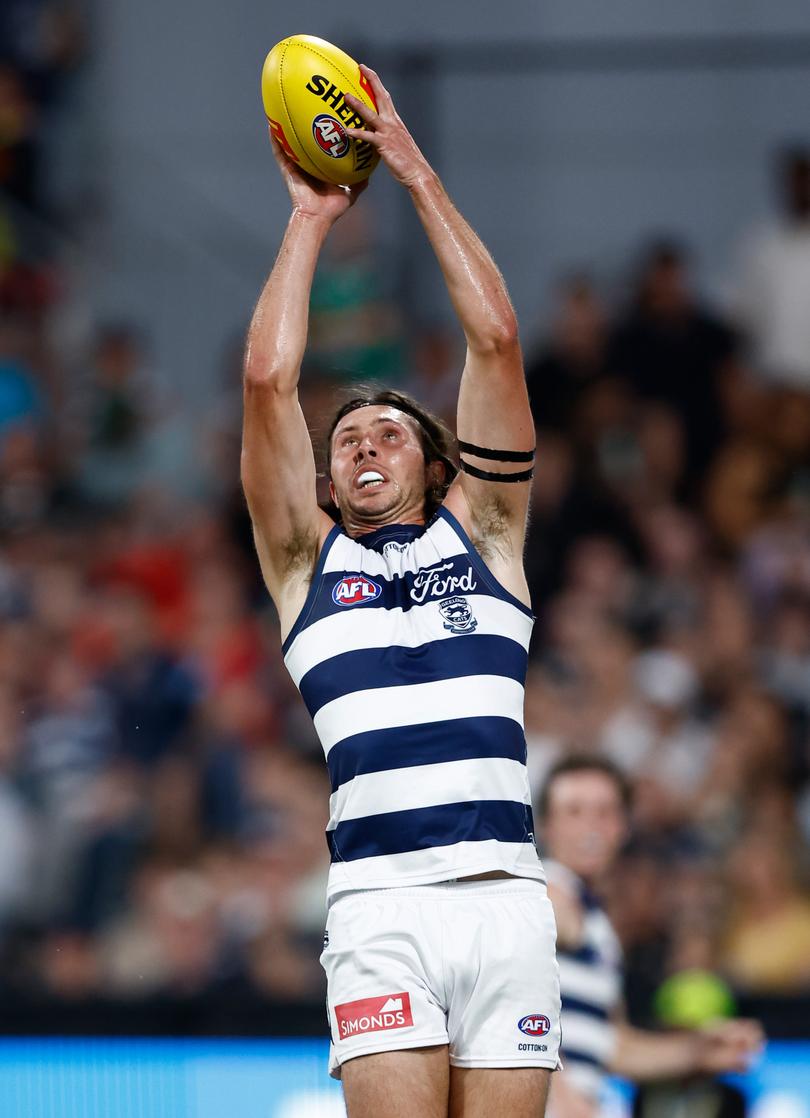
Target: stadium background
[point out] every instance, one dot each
(162, 802)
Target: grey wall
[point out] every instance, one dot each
(567, 165)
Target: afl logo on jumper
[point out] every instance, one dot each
(535, 1025)
(330, 135)
(458, 617)
(355, 590)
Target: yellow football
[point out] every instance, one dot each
(304, 80)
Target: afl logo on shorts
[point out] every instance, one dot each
(535, 1025)
(354, 591)
(330, 135)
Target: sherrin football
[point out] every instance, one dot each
(304, 80)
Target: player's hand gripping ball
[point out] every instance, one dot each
(304, 80)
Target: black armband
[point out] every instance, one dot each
(496, 455)
(487, 475)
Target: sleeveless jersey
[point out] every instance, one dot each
(590, 988)
(411, 659)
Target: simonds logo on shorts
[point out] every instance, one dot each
(354, 590)
(535, 1024)
(371, 1015)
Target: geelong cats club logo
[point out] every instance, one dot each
(458, 617)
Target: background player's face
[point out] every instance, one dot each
(586, 822)
(378, 467)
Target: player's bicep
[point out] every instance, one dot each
(278, 477)
(496, 441)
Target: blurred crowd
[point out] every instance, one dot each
(162, 793)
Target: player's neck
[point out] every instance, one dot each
(356, 526)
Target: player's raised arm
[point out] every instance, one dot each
(495, 427)
(278, 465)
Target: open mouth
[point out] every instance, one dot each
(369, 479)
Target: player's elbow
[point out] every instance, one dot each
(497, 338)
(269, 376)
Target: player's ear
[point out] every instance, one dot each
(333, 494)
(435, 473)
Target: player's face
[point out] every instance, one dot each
(378, 468)
(585, 824)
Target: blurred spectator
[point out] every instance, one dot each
(21, 399)
(354, 327)
(785, 655)
(19, 156)
(743, 490)
(693, 999)
(435, 365)
(766, 947)
(773, 301)
(70, 738)
(672, 349)
(111, 415)
(151, 693)
(666, 597)
(574, 357)
(18, 831)
(69, 967)
(169, 941)
(661, 741)
(566, 505)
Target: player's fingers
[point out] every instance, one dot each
(279, 154)
(751, 1035)
(365, 136)
(361, 108)
(381, 94)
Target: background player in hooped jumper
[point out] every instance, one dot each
(409, 645)
(584, 812)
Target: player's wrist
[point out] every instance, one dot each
(312, 219)
(423, 180)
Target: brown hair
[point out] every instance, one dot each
(583, 763)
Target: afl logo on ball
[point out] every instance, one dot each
(534, 1025)
(330, 135)
(355, 590)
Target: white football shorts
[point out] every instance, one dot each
(471, 964)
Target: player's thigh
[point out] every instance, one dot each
(400, 1084)
(484, 1092)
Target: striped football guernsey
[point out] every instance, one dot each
(590, 988)
(411, 659)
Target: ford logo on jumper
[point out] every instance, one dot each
(355, 590)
